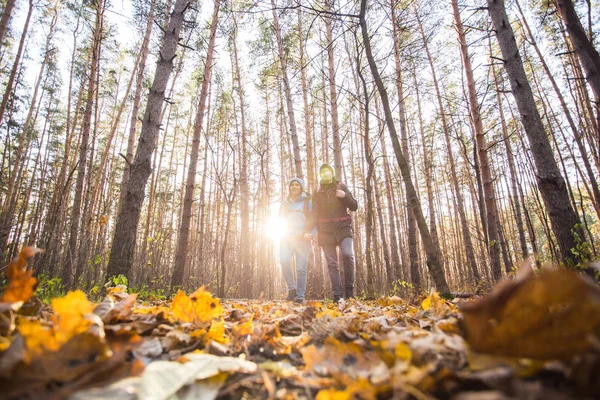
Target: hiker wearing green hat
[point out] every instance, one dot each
(331, 203)
(295, 241)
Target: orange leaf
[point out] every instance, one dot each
(21, 284)
(71, 318)
(200, 308)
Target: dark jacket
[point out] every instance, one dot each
(327, 206)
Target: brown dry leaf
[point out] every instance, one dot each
(554, 315)
(21, 284)
(335, 357)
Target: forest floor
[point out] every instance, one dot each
(534, 336)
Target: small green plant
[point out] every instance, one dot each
(402, 288)
(145, 293)
(120, 280)
(582, 250)
(50, 288)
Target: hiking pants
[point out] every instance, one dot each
(301, 248)
(347, 250)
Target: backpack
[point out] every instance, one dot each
(304, 208)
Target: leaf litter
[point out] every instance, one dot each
(535, 336)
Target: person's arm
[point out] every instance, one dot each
(349, 200)
(311, 221)
(310, 214)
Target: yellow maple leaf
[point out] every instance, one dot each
(199, 308)
(216, 332)
(69, 319)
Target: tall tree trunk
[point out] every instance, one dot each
(288, 94)
(184, 229)
(482, 151)
(459, 199)
(427, 165)
(310, 157)
(511, 165)
(563, 219)
(83, 146)
(335, 124)
(123, 246)
(590, 59)
(368, 181)
(245, 238)
(8, 207)
(433, 262)
(15, 67)
(137, 97)
(6, 13)
(410, 217)
(567, 112)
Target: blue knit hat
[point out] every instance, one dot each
(300, 181)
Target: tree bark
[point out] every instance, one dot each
(13, 71)
(482, 151)
(563, 219)
(6, 13)
(433, 262)
(137, 97)
(288, 94)
(184, 229)
(590, 59)
(470, 253)
(335, 124)
(123, 247)
(83, 146)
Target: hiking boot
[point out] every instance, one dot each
(299, 301)
(349, 293)
(291, 295)
(337, 299)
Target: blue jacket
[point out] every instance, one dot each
(293, 211)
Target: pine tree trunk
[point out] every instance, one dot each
(563, 219)
(482, 152)
(578, 139)
(137, 97)
(459, 199)
(590, 59)
(335, 124)
(9, 205)
(288, 95)
(13, 71)
(245, 239)
(6, 13)
(368, 182)
(83, 146)
(410, 217)
(184, 229)
(433, 262)
(123, 247)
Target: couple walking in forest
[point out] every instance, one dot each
(326, 214)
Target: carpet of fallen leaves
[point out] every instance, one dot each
(535, 336)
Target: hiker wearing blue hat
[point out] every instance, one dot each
(295, 240)
(332, 201)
